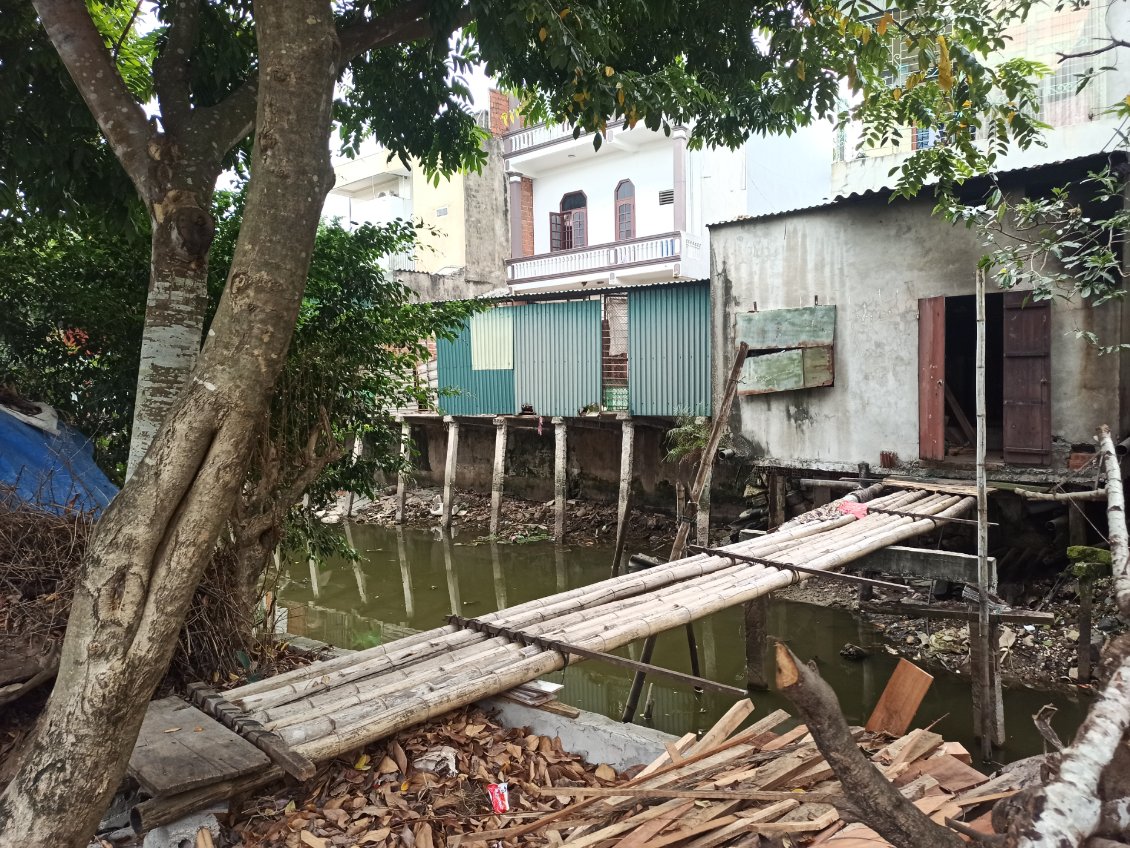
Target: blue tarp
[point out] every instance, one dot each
(53, 471)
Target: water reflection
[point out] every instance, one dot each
(402, 588)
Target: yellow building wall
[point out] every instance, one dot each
(443, 240)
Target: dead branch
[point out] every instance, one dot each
(1116, 522)
(894, 817)
(1068, 810)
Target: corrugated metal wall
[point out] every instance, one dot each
(483, 392)
(669, 350)
(557, 356)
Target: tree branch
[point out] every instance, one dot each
(221, 127)
(1116, 522)
(170, 71)
(882, 807)
(1112, 44)
(407, 22)
(84, 54)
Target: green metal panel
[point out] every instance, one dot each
(786, 370)
(669, 350)
(778, 329)
(478, 392)
(557, 356)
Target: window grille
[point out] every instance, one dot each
(614, 353)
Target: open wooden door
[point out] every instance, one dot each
(932, 378)
(1027, 380)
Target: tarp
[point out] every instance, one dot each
(50, 465)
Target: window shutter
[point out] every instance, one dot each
(556, 231)
(932, 378)
(1027, 379)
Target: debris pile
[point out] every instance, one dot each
(422, 787)
(588, 522)
(730, 789)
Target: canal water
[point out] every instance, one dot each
(409, 579)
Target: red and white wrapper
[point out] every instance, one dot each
(499, 797)
(859, 510)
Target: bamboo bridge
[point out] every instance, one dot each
(324, 709)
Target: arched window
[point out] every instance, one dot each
(625, 210)
(567, 227)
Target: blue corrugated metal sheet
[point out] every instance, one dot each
(488, 392)
(669, 351)
(557, 356)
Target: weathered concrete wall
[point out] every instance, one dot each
(873, 261)
(487, 210)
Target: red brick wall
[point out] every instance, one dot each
(527, 216)
(499, 106)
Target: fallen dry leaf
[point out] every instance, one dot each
(313, 841)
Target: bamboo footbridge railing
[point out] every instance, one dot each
(330, 707)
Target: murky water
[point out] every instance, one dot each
(410, 579)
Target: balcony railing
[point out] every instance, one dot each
(638, 252)
(527, 138)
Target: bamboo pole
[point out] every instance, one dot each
(1116, 522)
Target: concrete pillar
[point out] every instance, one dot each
(679, 139)
(449, 470)
(499, 578)
(514, 181)
(778, 491)
(624, 506)
(702, 518)
(402, 476)
(756, 638)
(559, 568)
(499, 476)
(560, 478)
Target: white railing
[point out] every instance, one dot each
(534, 136)
(659, 249)
(401, 262)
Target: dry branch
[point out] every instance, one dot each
(882, 807)
(1116, 521)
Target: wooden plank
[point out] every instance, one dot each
(798, 732)
(180, 748)
(776, 329)
(645, 833)
(726, 725)
(931, 378)
(787, 370)
(953, 774)
(900, 699)
(914, 610)
(944, 487)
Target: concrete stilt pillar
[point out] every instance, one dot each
(499, 476)
(499, 577)
(449, 470)
(453, 595)
(624, 507)
(756, 638)
(702, 517)
(560, 478)
(402, 475)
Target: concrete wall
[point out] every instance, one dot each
(873, 261)
(443, 239)
(487, 212)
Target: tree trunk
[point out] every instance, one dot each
(182, 230)
(151, 546)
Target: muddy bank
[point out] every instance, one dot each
(1035, 656)
(586, 522)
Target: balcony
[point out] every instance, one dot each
(649, 259)
(534, 150)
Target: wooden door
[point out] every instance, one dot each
(1027, 380)
(932, 378)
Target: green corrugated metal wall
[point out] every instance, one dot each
(480, 392)
(669, 350)
(557, 356)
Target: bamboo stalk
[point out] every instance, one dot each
(1116, 522)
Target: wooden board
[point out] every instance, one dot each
(945, 487)
(778, 329)
(787, 370)
(180, 747)
(900, 700)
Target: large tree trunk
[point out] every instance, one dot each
(182, 229)
(151, 546)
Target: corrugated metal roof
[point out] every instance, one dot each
(669, 351)
(585, 291)
(885, 191)
(557, 356)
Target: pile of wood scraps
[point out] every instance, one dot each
(730, 789)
